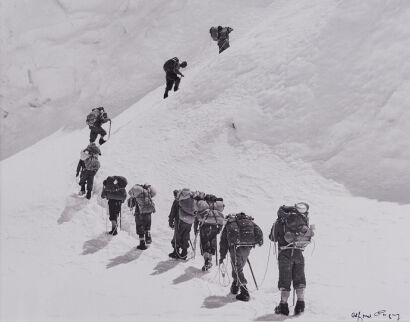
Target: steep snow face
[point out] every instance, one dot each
(325, 83)
(60, 58)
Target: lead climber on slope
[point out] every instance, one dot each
(171, 68)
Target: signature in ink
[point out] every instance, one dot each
(360, 316)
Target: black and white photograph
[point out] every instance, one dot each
(204, 160)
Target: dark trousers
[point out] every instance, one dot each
(291, 268)
(239, 257)
(208, 234)
(142, 223)
(223, 44)
(87, 177)
(171, 79)
(181, 235)
(114, 208)
(95, 131)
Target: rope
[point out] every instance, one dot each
(223, 271)
(267, 266)
(106, 216)
(314, 246)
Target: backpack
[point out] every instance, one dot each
(212, 217)
(216, 205)
(188, 205)
(214, 33)
(92, 148)
(84, 155)
(142, 195)
(296, 230)
(241, 231)
(93, 117)
(120, 181)
(170, 64)
(114, 188)
(92, 163)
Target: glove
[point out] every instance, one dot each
(171, 225)
(260, 242)
(76, 175)
(182, 75)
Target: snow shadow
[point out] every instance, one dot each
(73, 204)
(190, 273)
(128, 257)
(165, 266)
(273, 317)
(94, 245)
(215, 301)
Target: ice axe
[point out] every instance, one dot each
(249, 263)
(109, 131)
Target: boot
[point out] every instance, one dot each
(148, 238)
(174, 254)
(299, 307)
(183, 254)
(88, 195)
(165, 94)
(234, 288)
(207, 265)
(142, 245)
(282, 308)
(114, 228)
(244, 295)
(101, 141)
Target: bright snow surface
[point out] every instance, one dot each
(319, 81)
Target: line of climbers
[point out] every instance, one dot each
(172, 66)
(291, 231)
(238, 232)
(89, 164)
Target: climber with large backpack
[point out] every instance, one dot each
(94, 120)
(292, 233)
(208, 223)
(239, 236)
(171, 68)
(181, 218)
(88, 167)
(114, 191)
(221, 35)
(141, 199)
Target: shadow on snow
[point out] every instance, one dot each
(73, 204)
(215, 301)
(274, 317)
(190, 273)
(94, 245)
(165, 266)
(128, 257)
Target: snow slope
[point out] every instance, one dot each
(63, 57)
(57, 264)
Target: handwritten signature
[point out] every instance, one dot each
(360, 316)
